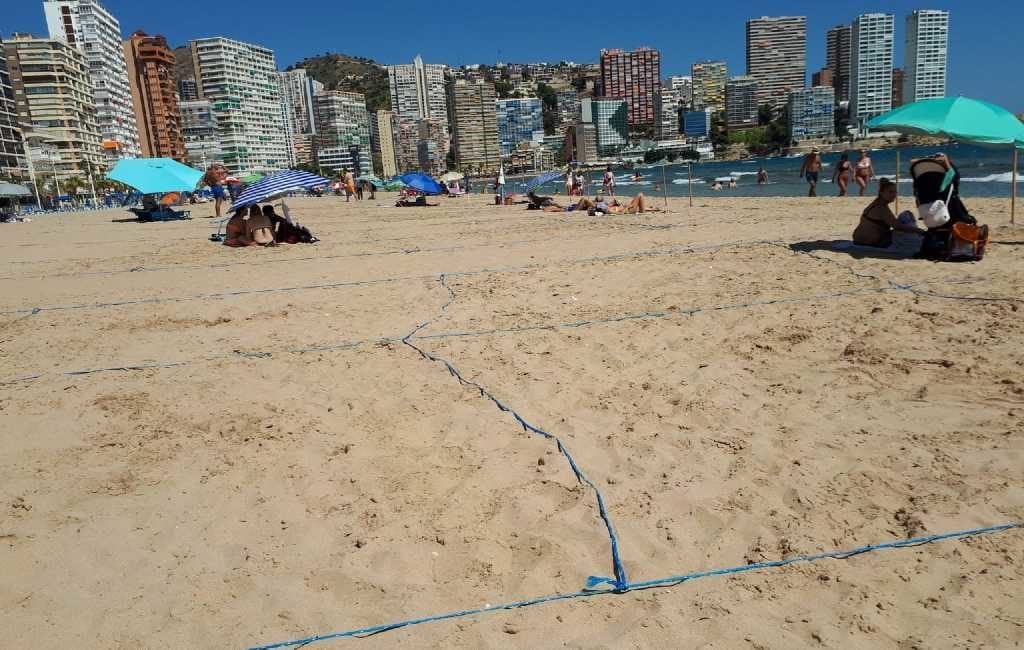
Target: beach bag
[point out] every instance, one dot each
(967, 242)
(934, 214)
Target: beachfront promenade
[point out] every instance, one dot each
(208, 447)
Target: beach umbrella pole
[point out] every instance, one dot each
(689, 180)
(1013, 188)
(897, 181)
(664, 183)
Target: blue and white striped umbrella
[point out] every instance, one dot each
(276, 185)
(543, 179)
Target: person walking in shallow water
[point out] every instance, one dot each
(841, 176)
(810, 170)
(864, 171)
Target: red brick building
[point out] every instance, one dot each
(634, 76)
(152, 78)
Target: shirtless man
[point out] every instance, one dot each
(810, 170)
(214, 177)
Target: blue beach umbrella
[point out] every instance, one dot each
(277, 185)
(422, 183)
(543, 179)
(155, 175)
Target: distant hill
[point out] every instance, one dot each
(352, 74)
(183, 63)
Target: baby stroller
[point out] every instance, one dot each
(937, 193)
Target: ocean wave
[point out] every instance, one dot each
(684, 181)
(993, 178)
(738, 174)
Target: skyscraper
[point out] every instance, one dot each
(297, 92)
(13, 163)
(188, 90)
(519, 120)
(683, 88)
(88, 26)
(838, 55)
(897, 87)
(610, 118)
(742, 99)
(634, 76)
(54, 96)
(568, 108)
(475, 125)
(342, 127)
(199, 131)
(418, 93)
(777, 57)
(154, 100)
(811, 113)
(666, 108)
(926, 54)
(871, 66)
(383, 142)
(709, 85)
(240, 81)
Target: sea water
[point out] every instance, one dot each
(984, 172)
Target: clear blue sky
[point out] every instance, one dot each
(984, 59)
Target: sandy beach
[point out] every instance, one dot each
(204, 447)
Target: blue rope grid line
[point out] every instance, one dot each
(670, 581)
(597, 585)
(651, 315)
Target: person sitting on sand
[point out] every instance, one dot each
(539, 202)
(877, 222)
(249, 227)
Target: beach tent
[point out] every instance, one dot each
(422, 183)
(277, 185)
(155, 175)
(963, 119)
(394, 185)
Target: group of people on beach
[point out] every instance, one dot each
(863, 172)
(262, 226)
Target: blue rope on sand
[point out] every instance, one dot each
(648, 584)
(620, 580)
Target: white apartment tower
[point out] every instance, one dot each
(240, 81)
(418, 92)
(925, 57)
(297, 91)
(88, 26)
(871, 66)
(777, 57)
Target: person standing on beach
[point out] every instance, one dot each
(810, 170)
(349, 180)
(864, 171)
(609, 182)
(841, 176)
(214, 178)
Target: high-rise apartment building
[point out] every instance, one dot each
(154, 100)
(610, 118)
(635, 77)
(777, 57)
(13, 164)
(838, 55)
(188, 91)
(709, 85)
(241, 83)
(926, 55)
(199, 131)
(474, 121)
(88, 26)
(383, 142)
(342, 130)
(418, 92)
(682, 86)
(667, 107)
(297, 91)
(897, 87)
(54, 97)
(742, 99)
(568, 108)
(582, 143)
(432, 145)
(871, 66)
(822, 77)
(519, 120)
(812, 113)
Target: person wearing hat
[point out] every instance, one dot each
(810, 170)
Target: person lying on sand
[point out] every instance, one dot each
(249, 227)
(877, 222)
(637, 206)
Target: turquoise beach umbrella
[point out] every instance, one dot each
(963, 119)
(960, 118)
(155, 175)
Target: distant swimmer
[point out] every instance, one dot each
(762, 176)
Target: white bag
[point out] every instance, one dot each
(934, 214)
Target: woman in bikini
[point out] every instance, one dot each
(249, 227)
(864, 171)
(877, 222)
(841, 176)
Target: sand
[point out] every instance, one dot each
(259, 458)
